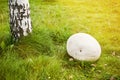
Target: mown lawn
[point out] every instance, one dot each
(42, 55)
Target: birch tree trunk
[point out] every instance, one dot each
(20, 22)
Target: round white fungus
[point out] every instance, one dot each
(84, 47)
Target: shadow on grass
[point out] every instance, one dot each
(6, 43)
(49, 0)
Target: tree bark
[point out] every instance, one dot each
(20, 21)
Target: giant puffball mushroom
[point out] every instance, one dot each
(83, 47)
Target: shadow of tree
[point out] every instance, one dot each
(49, 0)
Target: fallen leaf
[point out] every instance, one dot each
(70, 59)
(113, 53)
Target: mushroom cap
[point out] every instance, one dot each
(83, 47)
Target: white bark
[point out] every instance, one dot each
(20, 22)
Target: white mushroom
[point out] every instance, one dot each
(84, 47)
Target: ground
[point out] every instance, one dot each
(42, 55)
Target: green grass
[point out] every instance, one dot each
(42, 55)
